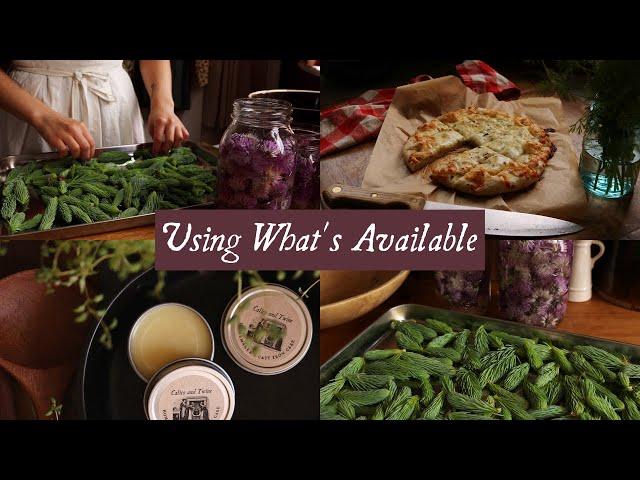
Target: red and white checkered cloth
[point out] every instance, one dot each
(360, 119)
(353, 121)
(481, 78)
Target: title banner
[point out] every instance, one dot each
(319, 239)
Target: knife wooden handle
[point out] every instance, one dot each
(345, 196)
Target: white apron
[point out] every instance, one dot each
(96, 92)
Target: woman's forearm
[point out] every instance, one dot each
(156, 75)
(165, 127)
(19, 103)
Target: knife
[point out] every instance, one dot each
(497, 222)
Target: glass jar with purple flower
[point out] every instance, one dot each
(257, 162)
(306, 187)
(464, 290)
(533, 277)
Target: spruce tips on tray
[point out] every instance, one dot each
(438, 372)
(112, 186)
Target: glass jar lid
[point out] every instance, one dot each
(262, 111)
(190, 389)
(267, 329)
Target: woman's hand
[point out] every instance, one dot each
(165, 127)
(63, 134)
(66, 135)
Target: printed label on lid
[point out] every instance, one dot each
(267, 329)
(194, 396)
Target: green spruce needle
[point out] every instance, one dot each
(372, 355)
(516, 376)
(460, 401)
(433, 409)
(359, 398)
(548, 372)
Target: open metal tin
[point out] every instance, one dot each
(190, 389)
(136, 325)
(267, 329)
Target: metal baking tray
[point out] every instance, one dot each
(380, 335)
(72, 231)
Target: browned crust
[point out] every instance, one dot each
(419, 150)
(516, 175)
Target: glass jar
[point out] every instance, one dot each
(608, 178)
(533, 278)
(306, 186)
(464, 290)
(257, 162)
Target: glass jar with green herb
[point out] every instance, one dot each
(610, 175)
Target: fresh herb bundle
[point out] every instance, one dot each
(113, 185)
(496, 376)
(611, 89)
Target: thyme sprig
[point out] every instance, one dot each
(71, 263)
(55, 409)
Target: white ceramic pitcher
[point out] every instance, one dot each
(583, 262)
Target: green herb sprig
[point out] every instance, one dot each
(611, 91)
(72, 263)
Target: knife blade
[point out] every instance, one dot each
(502, 223)
(515, 224)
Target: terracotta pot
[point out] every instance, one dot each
(37, 329)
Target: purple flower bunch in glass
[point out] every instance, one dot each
(534, 280)
(306, 187)
(466, 290)
(257, 162)
(256, 172)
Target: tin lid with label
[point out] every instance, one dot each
(267, 329)
(190, 389)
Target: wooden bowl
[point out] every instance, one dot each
(347, 295)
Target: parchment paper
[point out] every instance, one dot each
(559, 193)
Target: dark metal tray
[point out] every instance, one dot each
(107, 387)
(9, 163)
(379, 335)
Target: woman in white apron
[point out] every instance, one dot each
(76, 106)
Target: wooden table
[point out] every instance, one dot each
(596, 317)
(604, 219)
(137, 233)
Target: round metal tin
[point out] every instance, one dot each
(137, 322)
(190, 389)
(267, 329)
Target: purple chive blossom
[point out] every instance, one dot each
(464, 289)
(534, 280)
(256, 172)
